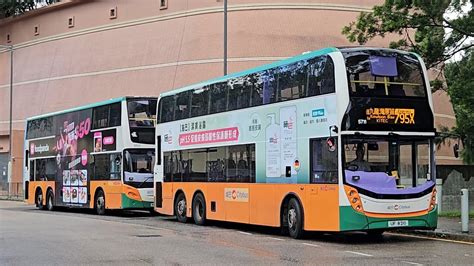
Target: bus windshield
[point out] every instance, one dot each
(383, 163)
(142, 112)
(383, 73)
(138, 168)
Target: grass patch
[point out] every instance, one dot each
(455, 214)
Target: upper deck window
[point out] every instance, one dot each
(142, 112)
(381, 73)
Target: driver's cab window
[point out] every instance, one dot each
(367, 156)
(324, 161)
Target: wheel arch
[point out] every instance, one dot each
(286, 201)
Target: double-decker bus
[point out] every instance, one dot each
(339, 139)
(97, 156)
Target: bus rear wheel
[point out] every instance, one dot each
(295, 219)
(199, 209)
(49, 200)
(180, 208)
(39, 199)
(99, 205)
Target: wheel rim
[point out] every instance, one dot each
(181, 207)
(200, 210)
(40, 199)
(100, 203)
(292, 218)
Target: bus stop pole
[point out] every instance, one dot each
(465, 210)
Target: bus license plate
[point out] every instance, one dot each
(398, 223)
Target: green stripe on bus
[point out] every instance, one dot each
(128, 203)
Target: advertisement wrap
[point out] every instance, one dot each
(71, 147)
(279, 131)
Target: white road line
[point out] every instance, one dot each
(245, 233)
(412, 263)
(311, 245)
(274, 238)
(359, 253)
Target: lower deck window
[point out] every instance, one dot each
(218, 164)
(323, 162)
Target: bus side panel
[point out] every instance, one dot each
(43, 185)
(264, 205)
(236, 202)
(168, 197)
(321, 207)
(215, 194)
(112, 191)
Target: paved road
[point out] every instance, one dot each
(33, 237)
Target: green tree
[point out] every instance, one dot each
(460, 81)
(429, 28)
(9, 8)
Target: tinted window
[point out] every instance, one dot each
(107, 166)
(292, 81)
(365, 73)
(218, 97)
(141, 112)
(166, 109)
(41, 127)
(45, 169)
(323, 162)
(239, 93)
(200, 102)
(219, 164)
(181, 108)
(320, 76)
(106, 116)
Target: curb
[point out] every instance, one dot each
(441, 235)
(11, 198)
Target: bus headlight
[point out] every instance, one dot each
(433, 200)
(354, 199)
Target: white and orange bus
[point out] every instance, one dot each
(97, 156)
(331, 140)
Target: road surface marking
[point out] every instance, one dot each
(274, 238)
(359, 253)
(432, 238)
(245, 233)
(412, 263)
(311, 245)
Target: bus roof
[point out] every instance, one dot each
(253, 70)
(113, 100)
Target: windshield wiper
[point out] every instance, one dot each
(144, 181)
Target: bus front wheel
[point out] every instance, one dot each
(199, 209)
(49, 200)
(295, 219)
(180, 208)
(100, 203)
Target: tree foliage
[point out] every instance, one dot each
(460, 81)
(422, 25)
(429, 28)
(9, 8)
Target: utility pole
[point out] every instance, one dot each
(225, 37)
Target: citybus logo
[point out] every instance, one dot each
(236, 194)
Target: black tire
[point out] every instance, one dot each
(50, 200)
(99, 202)
(295, 219)
(39, 200)
(376, 233)
(199, 209)
(180, 208)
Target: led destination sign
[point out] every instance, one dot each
(389, 116)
